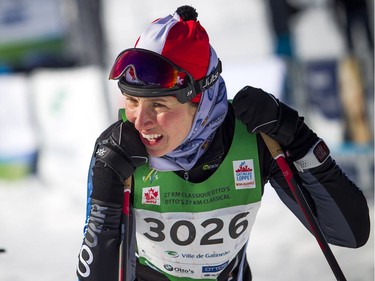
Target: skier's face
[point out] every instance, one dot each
(163, 122)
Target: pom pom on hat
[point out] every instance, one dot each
(187, 13)
(181, 39)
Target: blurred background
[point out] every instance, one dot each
(55, 99)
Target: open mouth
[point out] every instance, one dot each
(151, 138)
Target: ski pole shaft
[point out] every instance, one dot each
(278, 154)
(124, 245)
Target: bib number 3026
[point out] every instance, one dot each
(237, 225)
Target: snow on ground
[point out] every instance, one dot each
(41, 230)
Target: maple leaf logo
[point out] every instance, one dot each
(151, 194)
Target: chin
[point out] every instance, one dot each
(158, 153)
(155, 153)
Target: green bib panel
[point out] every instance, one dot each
(236, 182)
(193, 230)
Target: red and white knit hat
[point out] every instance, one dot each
(181, 39)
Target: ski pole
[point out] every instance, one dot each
(124, 245)
(278, 154)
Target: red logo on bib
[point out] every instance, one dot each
(151, 195)
(244, 174)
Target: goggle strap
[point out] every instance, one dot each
(206, 82)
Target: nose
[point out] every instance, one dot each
(144, 117)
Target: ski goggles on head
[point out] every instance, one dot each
(143, 73)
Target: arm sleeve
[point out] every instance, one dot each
(338, 204)
(98, 259)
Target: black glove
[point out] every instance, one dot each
(119, 151)
(262, 112)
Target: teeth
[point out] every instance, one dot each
(151, 137)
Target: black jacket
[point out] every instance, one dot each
(338, 204)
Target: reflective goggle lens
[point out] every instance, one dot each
(145, 68)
